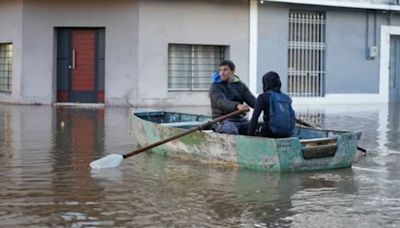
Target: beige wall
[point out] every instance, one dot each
(137, 37)
(11, 29)
(118, 17)
(161, 22)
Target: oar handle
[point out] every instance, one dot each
(362, 150)
(304, 123)
(191, 130)
(312, 126)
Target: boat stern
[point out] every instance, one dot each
(336, 151)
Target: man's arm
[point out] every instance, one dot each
(256, 114)
(249, 98)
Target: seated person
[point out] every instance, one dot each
(227, 94)
(279, 117)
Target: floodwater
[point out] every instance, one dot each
(45, 179)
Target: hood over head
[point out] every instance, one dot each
(271, 81)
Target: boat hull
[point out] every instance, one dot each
(257, 153)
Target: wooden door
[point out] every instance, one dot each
(83, 67)
(80, 65)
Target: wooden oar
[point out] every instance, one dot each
(312, 126)
(114, 160)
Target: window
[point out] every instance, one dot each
(190, 66)
(6, 56)
(306, 54)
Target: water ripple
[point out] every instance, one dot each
(45, 180)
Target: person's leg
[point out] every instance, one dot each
(266, 131)
(227, 127)
(243, 126)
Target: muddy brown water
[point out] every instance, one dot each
(45, 180)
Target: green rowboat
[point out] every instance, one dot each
(309, 150)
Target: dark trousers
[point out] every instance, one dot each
(265, 131)
(233, 126)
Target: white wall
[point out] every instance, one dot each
(137, 37)
(118, 17)
(361, 4)
(350, 77)
(187, 22)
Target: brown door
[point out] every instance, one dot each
(83, 78)
(80, 65)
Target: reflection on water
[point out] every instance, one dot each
(45, 180)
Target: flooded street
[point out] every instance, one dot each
(45, 179)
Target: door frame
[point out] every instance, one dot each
(99, 97)
(386, 32)
(394, 70)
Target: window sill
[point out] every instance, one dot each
(187, 90)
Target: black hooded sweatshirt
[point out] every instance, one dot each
(271, 82)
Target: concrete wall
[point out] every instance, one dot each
(273, 27)
(137, 38)
(347, 68)
(41, 17)
(138, 33)
(11, 30)
(348, 71)
(220, 22)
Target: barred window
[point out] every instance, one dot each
(6, 57)
(306, 54)
(190, 66)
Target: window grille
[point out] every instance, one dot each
(306, 54)
(316, 118)
(6, 56)
(190, 66)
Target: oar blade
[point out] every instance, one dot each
(110, 161)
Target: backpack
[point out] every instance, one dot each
(281, 114)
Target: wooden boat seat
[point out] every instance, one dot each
(318, 147)
(183, 124)
(318, 141)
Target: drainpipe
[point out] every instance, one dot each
(371, 51)
(367, 35)
(375, 22)
(253, 35)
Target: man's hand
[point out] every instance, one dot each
(243, 107)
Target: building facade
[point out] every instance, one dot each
(331, 51)
(162, 53)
